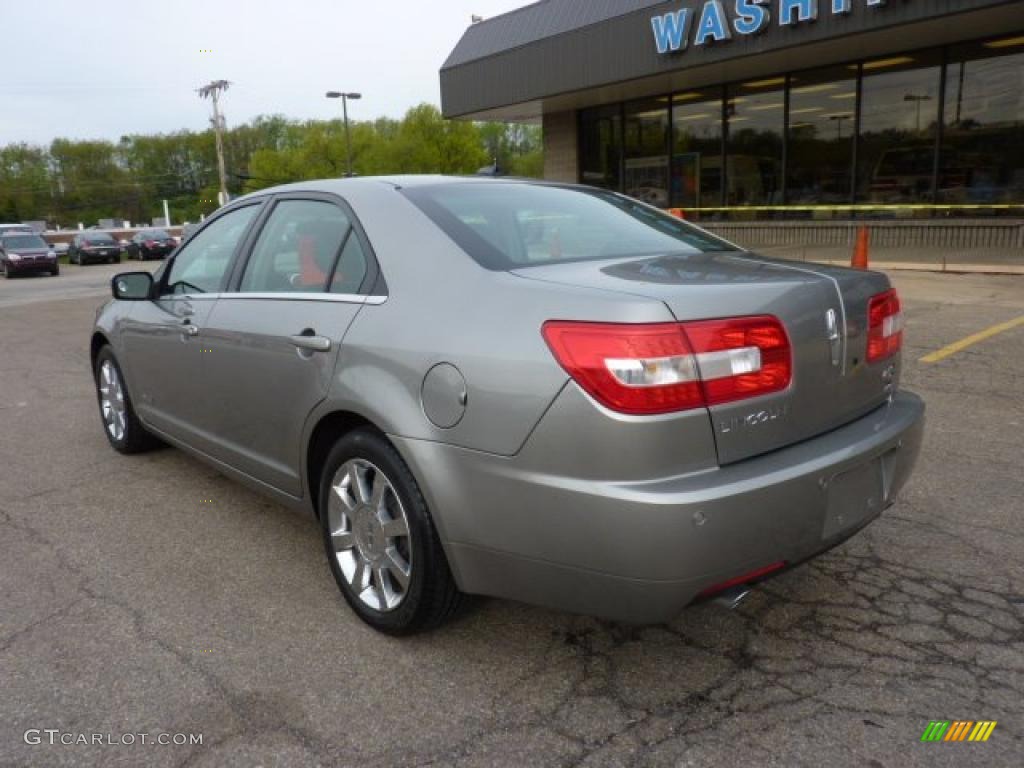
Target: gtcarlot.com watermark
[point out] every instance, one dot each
(56, 737)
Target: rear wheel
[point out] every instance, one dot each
(122, 427)
(55, 271)
(381, 542)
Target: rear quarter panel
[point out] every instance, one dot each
(443, 307)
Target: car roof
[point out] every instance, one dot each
(341, 186)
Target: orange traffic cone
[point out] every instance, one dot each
(860, 250)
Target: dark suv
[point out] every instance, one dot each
(94, 246)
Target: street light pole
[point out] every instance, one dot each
(344, 110)
(917, 98)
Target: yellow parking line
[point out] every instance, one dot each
(958, 346)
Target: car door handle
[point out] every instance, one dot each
(190, 330)
(311, 342)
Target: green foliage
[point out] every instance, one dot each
(82, 181)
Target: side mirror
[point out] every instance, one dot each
(132, 286)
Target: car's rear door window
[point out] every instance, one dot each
(298, 249)
(202, 263)
(507, 225)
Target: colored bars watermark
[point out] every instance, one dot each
(958, 730)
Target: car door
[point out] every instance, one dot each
(163, 339)
(274, 338)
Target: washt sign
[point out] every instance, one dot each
(715, 24)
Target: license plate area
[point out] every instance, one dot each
(854, 497)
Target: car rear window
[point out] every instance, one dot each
(155, 234)
(23, 241)
(511, 225)
(98, 237)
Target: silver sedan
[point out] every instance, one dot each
(540, 392)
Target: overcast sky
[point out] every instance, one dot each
(86, 69)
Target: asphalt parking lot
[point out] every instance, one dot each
(151, 595)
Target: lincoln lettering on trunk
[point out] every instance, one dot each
(715, 21)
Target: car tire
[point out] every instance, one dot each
(7, 272)
(381, 542)
(120, 423)
(55, 271)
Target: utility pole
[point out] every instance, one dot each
(212, 91)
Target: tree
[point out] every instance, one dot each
(83, 181)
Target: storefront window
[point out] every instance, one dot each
(822, 111)
(646, 146)
(755, 114)
(982, 157)
(601, 147)
(697, 149)
(899, 118)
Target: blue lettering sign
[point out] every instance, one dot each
(671, 30)
(751, 17)
(713, 23)
(806, 10)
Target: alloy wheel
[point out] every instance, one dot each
(112, 403)
(370, 533)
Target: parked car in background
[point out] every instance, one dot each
(26, 252)
(92, 246)
(188, 230)
(60, 248)
(5, 228)
(150, 244)
(542, 392)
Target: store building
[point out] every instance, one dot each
(740, 110)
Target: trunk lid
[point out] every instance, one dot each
(831, 384)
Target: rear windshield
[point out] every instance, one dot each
(23, 241)
(155, 234)
(511, 225)
(99, 237)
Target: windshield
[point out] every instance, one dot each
(99, 237)
(23, 241)
(511, 225)
(155, 234)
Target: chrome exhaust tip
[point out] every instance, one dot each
(732, 597)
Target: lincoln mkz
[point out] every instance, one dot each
(540, 392)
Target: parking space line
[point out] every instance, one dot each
(974, 338)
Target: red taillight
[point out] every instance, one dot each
(665, 367)
(733, 341)
(885, 326)
(149, 243)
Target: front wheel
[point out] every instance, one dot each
(120, 424)
(381, 542)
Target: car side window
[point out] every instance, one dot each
(200, 265)
(297, 251)
(352, 266)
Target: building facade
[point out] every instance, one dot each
(750, 110)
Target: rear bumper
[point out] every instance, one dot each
(87, 257)
(641, 551)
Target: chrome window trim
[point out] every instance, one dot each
(340, 298)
